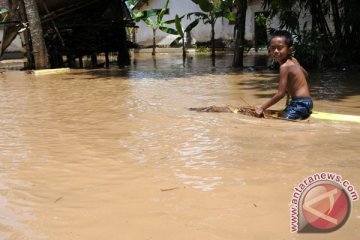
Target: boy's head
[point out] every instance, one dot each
(281, 45)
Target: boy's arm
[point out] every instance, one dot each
(284, 72)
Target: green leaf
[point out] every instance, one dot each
(195, 1)
(168, 30)
(149, 22)
(231, 16)
(149, 13)
(171, 21)
(162, 12)
(137, 16)
(205, 5)
(201, 15)
(176, 41)
(178, 26)
(192, 25)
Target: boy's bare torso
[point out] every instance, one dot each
(297, 86)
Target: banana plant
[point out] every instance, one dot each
(212, 11)
(147, 16)
(182, 32)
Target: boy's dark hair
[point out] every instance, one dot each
(289, 40)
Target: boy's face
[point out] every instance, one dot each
(279, 50)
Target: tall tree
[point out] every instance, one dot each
(37, 39)
(241, 6)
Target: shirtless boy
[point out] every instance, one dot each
(292, 79)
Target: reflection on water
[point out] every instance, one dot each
(100, 154)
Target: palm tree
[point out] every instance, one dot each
(36, 32)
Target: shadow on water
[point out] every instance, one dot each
(324, 85)
(331, 86)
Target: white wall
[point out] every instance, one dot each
(201, 33)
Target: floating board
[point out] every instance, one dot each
(336, 117)
(275, 114)
(249, 111)
(50, 71)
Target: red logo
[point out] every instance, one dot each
(325, 207)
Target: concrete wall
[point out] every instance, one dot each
(201, 33)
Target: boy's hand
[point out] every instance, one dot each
(259, 111)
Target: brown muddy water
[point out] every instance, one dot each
(115, 154)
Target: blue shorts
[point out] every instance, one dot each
(299, 108)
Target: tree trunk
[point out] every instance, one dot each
(213, 39)
(183, 47)
(123, 58)
(318, 17)
(336, 17)
(37, 37)
(107, 60)
(81, 63)
(238, 60)
(154, 41)
(313, 18)
(347, 24)
(94, 61)
(27, 38)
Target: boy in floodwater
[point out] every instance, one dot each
(292, 79)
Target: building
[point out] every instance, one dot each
(76, 28)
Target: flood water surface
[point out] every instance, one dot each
(115, 154)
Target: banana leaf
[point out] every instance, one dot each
(192, 25)
(168, 30)
(138, 16)
(178, 26)
(149, 22)
(176, 41)
(163, 11)
(171, 21)
(201, 15)
(205, 5)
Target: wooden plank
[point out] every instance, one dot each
(50, 71)
(336, 117)
(276, 114)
